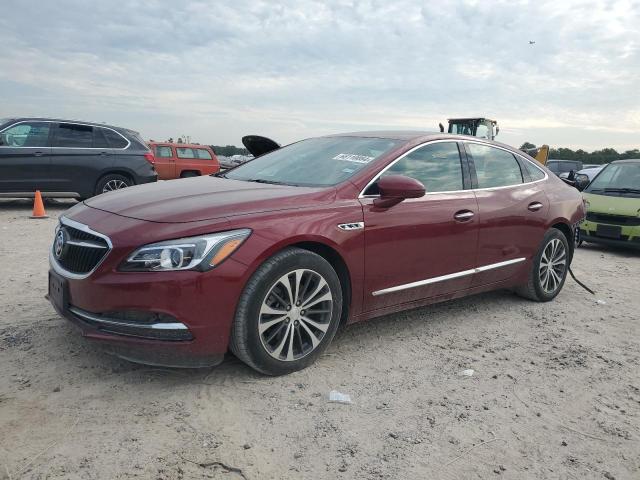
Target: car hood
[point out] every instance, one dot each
(204, 198)
(626, 206)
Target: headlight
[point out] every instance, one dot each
(194, 253)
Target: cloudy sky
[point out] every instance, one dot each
(217, 70)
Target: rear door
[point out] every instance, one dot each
(422, 247)
(512, 212)
(79, 154)
(25, 157)
(165, 161)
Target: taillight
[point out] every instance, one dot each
(149, 157)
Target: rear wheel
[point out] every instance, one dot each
(288, 313)
(189, 174)
(111, 182)
(549, 268)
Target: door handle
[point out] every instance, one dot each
(464, 215)
(535, 206)
(37, 154)
(104, 153)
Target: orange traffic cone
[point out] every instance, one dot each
(38, 207)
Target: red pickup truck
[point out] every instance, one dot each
(180, 160)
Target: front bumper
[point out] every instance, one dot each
(196, 311)
(629, 234)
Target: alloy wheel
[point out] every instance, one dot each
(295, 315)
(553, 265)
(114, 184)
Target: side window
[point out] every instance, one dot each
(71, 135)
(99, 140)
(28, 134)
(185, 152)
(203, 154)
(163, 151)
(115, 139)
(436, 165)
(534, 173)
(494, 167)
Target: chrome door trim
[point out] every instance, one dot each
(450, 276)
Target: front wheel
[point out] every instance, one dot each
(549, 268)
(288, 313)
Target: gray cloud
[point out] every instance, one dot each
(218, 70)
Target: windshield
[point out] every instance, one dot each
(315, 162)
(617, 179)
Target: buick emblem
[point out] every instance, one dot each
(60, 243)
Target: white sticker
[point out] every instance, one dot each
(352, 157)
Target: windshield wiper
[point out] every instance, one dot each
(622, 190)
(262, 180)
(219, 175)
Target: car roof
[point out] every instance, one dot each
(627, 160)
(181, 145)
(390, 134)
(62, 120)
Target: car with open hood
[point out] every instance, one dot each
(269, 258)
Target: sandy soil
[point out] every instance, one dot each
(555, 393)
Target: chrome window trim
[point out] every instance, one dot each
(450, 276)
(79, 226)
(70, 123)
(546, 176)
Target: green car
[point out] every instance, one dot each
(613, 206)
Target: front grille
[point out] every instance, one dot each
(81, 251)
(613, 219)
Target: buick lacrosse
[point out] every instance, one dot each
(268, 259)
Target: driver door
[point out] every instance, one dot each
(423, 247)
(25, 157)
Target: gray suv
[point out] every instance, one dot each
(64, 158)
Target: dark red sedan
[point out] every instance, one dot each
(270, 258)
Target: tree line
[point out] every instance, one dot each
(229, 150)
(606, 155)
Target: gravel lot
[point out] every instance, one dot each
(555, 393)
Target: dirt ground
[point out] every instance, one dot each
(555, 391)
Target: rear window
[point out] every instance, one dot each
(534, 173)
(203, 154)
(163, 151)
(115, 139)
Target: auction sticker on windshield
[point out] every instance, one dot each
(352, 157)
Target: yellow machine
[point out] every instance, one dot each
(541, 154)
(475, 127)
(489, 129)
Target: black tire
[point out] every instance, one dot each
(111, 182)
(189, 174)
(251, 346)
(535, 288)
(578, 238)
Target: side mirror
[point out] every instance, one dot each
(396, 188)
(581, 181)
